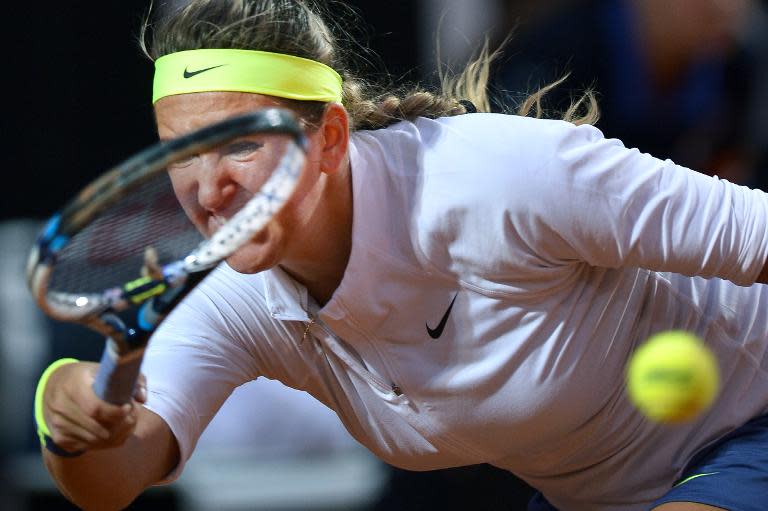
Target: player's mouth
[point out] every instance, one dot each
(218, 217)
(214, 223)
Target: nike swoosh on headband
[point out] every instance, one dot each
(190, 74)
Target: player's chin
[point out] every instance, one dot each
(253, 258)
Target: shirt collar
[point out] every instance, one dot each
(286, 299)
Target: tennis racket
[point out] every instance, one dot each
(122, 254)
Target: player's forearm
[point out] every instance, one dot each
(92, 481)
(110, 479)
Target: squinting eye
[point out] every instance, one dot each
(242, 148)
(185, 162)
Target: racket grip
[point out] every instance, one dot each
(117, 375)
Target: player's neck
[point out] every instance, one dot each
(320, 257)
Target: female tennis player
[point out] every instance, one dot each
(458, 287)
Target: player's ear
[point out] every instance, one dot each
(335, 137)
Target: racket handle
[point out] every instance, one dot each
(117, 375)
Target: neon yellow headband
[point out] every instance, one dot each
(260, 72)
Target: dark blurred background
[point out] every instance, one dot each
(682, 79)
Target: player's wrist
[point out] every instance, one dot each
(39, 410)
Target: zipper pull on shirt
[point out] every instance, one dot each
(307, 328)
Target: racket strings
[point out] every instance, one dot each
(112, 249)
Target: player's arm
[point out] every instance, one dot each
(126, 449)
(614, 207)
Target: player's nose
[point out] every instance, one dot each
(215, 186)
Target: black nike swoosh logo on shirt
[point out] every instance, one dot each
(438, 330)
(190, 74)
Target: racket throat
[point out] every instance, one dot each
(125, 339)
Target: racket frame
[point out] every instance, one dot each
(98, 310)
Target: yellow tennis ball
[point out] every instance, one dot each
(672, 377)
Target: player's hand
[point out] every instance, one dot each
(77, 419)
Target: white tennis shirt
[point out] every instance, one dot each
(502, 271)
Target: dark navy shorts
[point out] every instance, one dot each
(731, 474)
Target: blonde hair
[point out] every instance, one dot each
(297, 27)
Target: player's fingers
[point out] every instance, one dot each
(88, 410)
(126, 423)
(71, 435)
(78, 420)
(112, 436)
(80, 392)
(69, 413)
(119, 432)
(106, 413)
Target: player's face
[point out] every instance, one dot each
(213, 186)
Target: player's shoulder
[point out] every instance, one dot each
(477, 137)
(486, 126)
(224, 292)
(489, 139)
(467, 159)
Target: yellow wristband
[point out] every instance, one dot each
(42, 427)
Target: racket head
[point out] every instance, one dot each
(93, 250)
